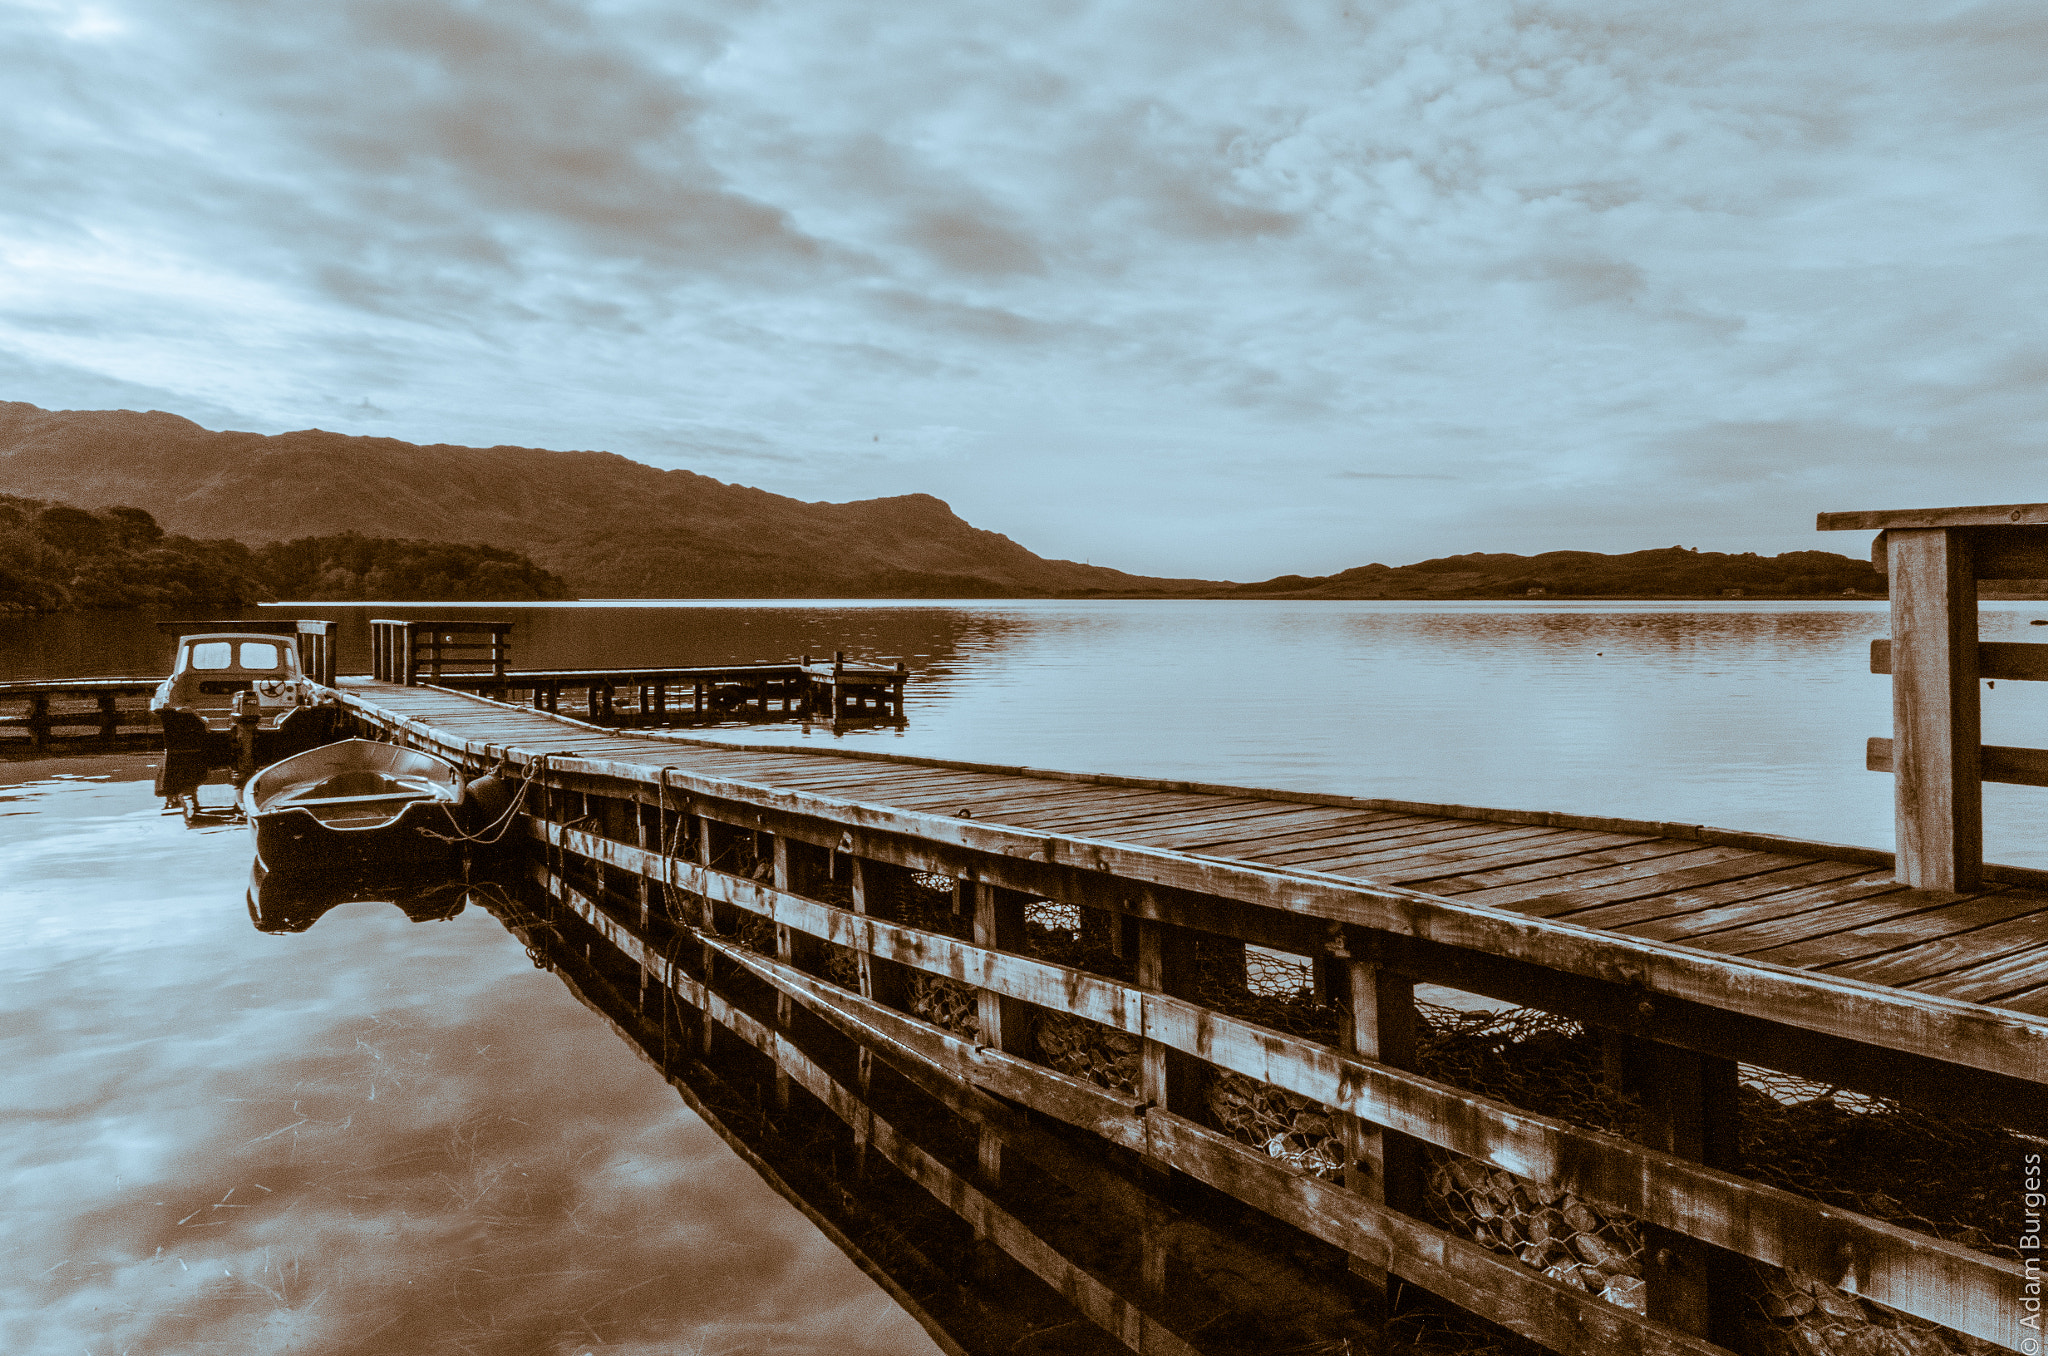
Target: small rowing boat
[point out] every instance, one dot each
(353, 805)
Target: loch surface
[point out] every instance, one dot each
(381, 1135)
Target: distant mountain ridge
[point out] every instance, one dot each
(610, 526)
(1669, 572)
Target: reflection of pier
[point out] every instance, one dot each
(1000, 1233)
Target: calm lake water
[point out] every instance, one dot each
(381, 1135)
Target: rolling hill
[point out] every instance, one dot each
(610, 526)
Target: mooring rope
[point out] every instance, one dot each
(498, 827)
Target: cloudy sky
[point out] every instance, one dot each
(1182, 287)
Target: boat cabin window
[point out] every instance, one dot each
(261, 655)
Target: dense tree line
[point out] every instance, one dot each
(57, 558)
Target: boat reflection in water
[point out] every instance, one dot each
(293, 902)
(999, 1232)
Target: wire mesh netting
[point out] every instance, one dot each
(1942, 1176)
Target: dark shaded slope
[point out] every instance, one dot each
(1673, 572)
(610, 526)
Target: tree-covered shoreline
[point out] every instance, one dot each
(58, 558)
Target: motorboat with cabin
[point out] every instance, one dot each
(216, 675)
(354, 805)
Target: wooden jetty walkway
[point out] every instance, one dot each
(1701, 955)
(425, 650)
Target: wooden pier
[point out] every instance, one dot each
(82, 712)
(1702, 960)
(429, 651)
(114, 712)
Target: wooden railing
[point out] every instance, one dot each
(62, 704)
(842, 690)
(407, 650)
(631, 833)
(1935, 558)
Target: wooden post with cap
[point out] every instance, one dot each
(1935, 558)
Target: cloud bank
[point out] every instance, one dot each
(1209, 288)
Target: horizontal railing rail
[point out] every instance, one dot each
(1914, 1272)
(1461, 1271)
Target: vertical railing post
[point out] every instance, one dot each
(1376, 1021)
(885, 981)
(1689, 1109)
(999, 926)
(1166, 964)
(1003, 1022)
(1936, 724)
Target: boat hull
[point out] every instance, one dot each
(292, 841)
(192, 749)
(356, 806)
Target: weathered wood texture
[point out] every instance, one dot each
(1983, 515)
(1492, 926)
(1894, 1266)
(77, 708)
(1935, 723)
(1527, 1303)
(2018, 661)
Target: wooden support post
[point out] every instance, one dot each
(1936, 728)
(39, 719)
(1690, 1110)
(1166, 964)
(706, 911)
(650, 839)
(110, 717)
(1377, 1021)
(1004, 1023)
(999, 926)
(884, 981)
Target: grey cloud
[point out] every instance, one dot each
(970, 243)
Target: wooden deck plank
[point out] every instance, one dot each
(1686, 927)
(1173, 834)
(1348, 822)
(1764, 934)
(1377, 838)
(2021, 970)
(2033, 1002)
(1931, 944)
(1084, 799)
(1426, 860)
(1668, 877)
(1148, 819)
(1635, 912)
(832, 781)
(1523, 853)
(1891, 945)
(1421, 854)
(1322, 823)
(1597, 867)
